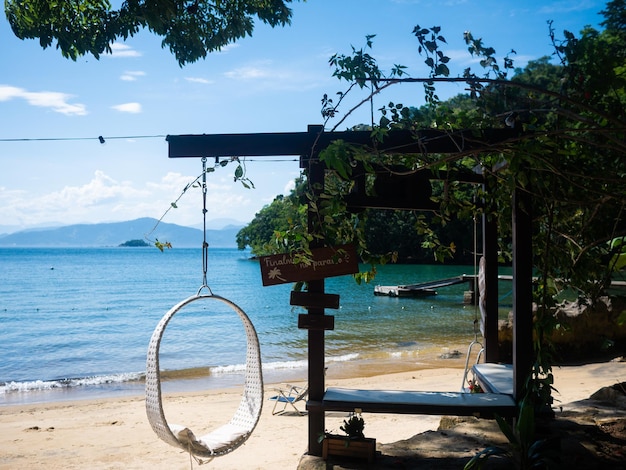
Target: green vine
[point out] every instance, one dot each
(240, 175)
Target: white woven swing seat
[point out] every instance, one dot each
(227, 437)
(220, 440)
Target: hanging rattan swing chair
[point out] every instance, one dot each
(233, 434)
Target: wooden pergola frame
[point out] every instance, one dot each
(307, 146)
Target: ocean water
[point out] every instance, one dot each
(76, 322)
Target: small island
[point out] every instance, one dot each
(135, 243)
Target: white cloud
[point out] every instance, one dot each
(103, 198)
(203, 81)
(267, 76)
(57, 101)
(223, 197)
(13, 208)
(171, 182)
(102, 189)
(132, 108)
(248, 73)
(123, 50)
(568, 6)
(9, 92)
(520, 61)
(227, 48)
(290, 186)
(461, 56)
(70, 204)
(131, 76)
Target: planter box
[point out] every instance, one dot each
(342, 447)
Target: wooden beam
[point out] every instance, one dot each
(256, 145)
(308, 144)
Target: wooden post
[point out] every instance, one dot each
(316, 337)
(522, 290)
(490, 253)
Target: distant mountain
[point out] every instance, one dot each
(116, 233)
(7, 229)
(221, 224)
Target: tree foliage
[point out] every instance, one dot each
(386, 232)
(567, 155)
(189, 28)
(272, 224)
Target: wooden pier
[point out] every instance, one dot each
(424, 289)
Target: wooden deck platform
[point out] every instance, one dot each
(403, 291)
(423, 289)
(484, 405)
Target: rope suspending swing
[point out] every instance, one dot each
(479, 324)
(231, 435)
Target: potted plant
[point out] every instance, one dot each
(354, 444)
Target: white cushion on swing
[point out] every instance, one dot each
(223, 437)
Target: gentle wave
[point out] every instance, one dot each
(166, 375)
(195, 373)
(43, 385)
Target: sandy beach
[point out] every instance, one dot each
(115, 433)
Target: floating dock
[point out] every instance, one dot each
(423, 289)
(403, 291)
(426, 289)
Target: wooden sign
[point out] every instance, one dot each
(314, 300)
(316, 322)
(326, 262)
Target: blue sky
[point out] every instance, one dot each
(270, 82)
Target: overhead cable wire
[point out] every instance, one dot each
(103, 140)
(100, 138)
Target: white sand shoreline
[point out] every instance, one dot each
(112, 433)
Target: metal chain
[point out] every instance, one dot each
(476, 298)
(205, 245)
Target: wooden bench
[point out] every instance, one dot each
(484, 405)
(495, 378)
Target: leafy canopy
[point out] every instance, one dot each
(190, 28)
(271, 225)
